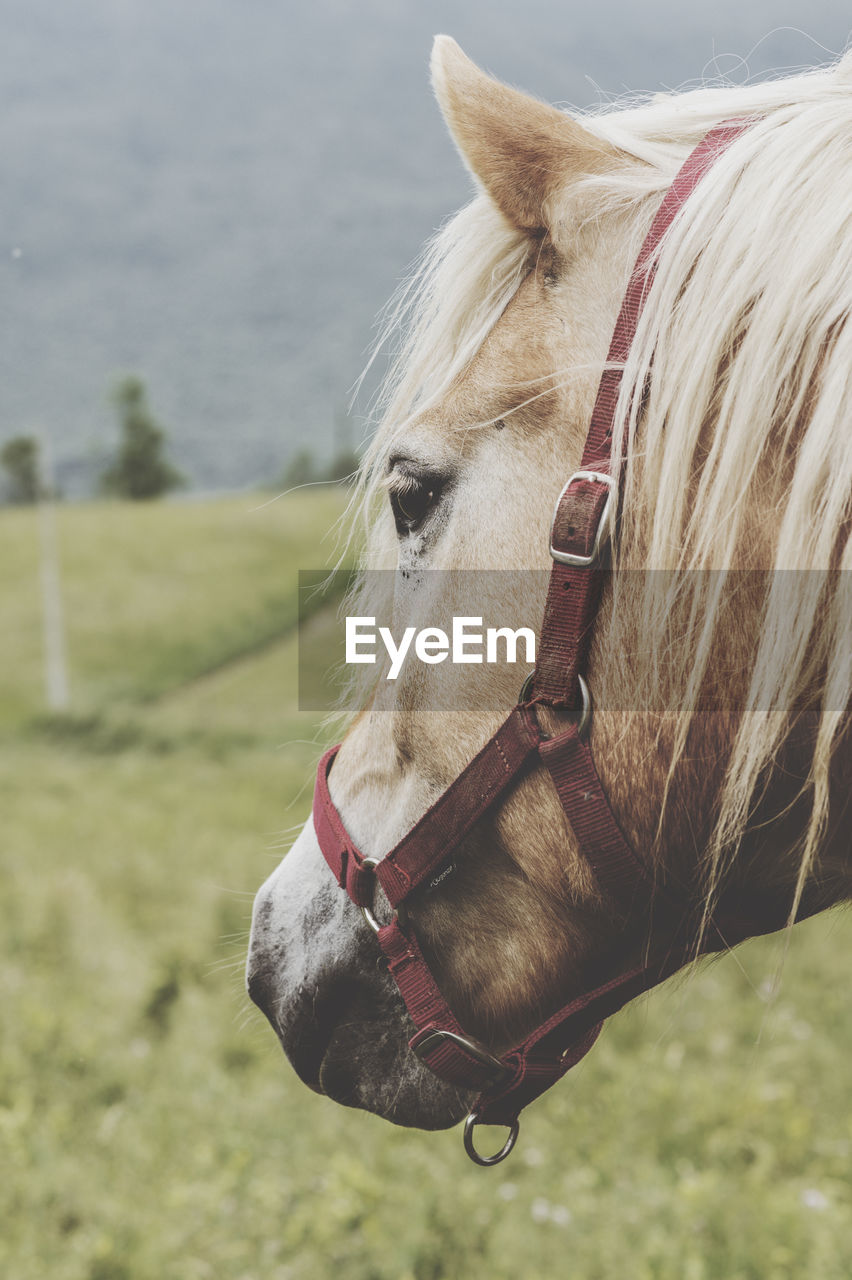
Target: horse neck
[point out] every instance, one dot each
(669, 811)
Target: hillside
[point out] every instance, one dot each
(220, 197)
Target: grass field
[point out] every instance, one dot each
(156, 594)
(150, 1129)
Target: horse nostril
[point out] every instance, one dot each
(258, 987)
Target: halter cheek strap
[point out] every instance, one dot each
(584, 516)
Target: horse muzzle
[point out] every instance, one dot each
(314, 969)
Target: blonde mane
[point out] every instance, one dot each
(747, 329)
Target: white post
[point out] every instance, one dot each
(55, 666)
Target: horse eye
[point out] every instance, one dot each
(411, 507)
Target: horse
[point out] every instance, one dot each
(721, 654)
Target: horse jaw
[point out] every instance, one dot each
(315, 970)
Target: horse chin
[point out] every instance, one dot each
(315, 971)
(408, 1094)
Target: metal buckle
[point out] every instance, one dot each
(486, 1161)
(367, 912)
(603, 530)
(478, 1051)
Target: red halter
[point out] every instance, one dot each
(581, 525)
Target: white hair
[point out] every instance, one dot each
(747, 329)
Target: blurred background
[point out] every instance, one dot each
(204, 205)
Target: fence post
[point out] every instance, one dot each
(55, 664)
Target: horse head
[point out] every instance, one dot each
(721, 681)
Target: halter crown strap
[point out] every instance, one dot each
(583, 518)
(587, 505)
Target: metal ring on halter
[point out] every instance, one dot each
(430, 1037)
(585, 708)
(470, 1124)
(525, 688)
(367, 912)
(585, 703)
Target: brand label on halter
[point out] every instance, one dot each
(440, 877)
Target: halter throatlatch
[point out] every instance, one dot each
(582, 525)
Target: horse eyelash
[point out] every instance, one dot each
(402, 482)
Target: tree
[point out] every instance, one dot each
(300, 470)
(140, 470)
(342, 466)
(19, 458)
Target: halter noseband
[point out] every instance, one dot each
(582, 522)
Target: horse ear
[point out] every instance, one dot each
(522, 151)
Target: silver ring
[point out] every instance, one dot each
(585, 703)
(486, 1161)
(367, 912)
(585, 708)
(370, 863)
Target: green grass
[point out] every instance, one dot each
(156, 594)
(150, 1128)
